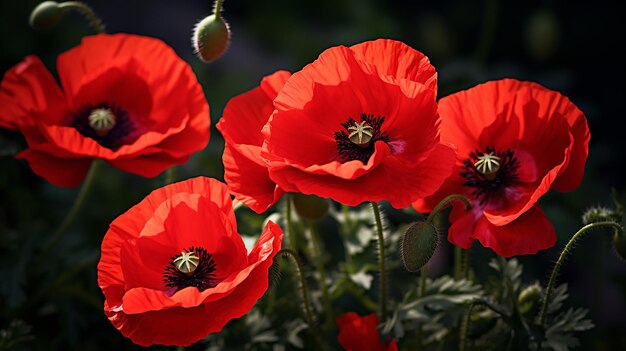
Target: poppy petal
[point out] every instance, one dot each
(396, 59)
(66, 172)
(26, 87)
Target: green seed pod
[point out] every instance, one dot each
(310, 207)
(210, 38)
(46, 15)
(418, 245)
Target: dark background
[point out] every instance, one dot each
(569, 46)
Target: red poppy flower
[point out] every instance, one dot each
(126, 99)
(174, 269)
(244, 116)
(359, 124)
(515, 141)
(358, 333)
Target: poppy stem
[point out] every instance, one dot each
(382, 294)
(465, 323)
(304, 293)
(316, 253)
(217, 9)
(291, 236)
(94, 21)
(559, 262)
(467, 257)
(170, 175)
(421, 292)
(458, 258)
(78, 204)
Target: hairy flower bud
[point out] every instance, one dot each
(418, 245)
(210, 38)
(46, 15)
(601, 214)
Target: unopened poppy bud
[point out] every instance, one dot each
(310, 207)
(529, 297)
(46, 15)
(418, 245)
(210, 38)
(601, 214)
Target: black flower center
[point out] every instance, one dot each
(356, 141)
(192, 267)
(489, 172)
(107, 124)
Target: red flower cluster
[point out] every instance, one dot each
(515, 141)
(358, 333)
(126, 99)
(174, 269)
(358, 124)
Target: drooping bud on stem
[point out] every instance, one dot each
(418, 245)
(529, 298)
(211, 36)
(49, 13)
(46, 15)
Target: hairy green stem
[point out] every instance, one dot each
(291, 235)
(318, 259)
(217, 10)
(421, 293)
(76, 207)
(382, 294)
(559, 262)
(466, 263)
(458, 259)
(464, 332)
(304, 294)
(94, 21)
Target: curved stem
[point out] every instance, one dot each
(559, 262)
(445, 202)
(381, 263)
(304, 292)
(94, 21)
(78, 204)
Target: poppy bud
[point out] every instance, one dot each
(210, 38)
(310, 207)
(529, 297)
(46, 15)
(418, 245)
(601, 214)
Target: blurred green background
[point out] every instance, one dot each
(569, 46)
